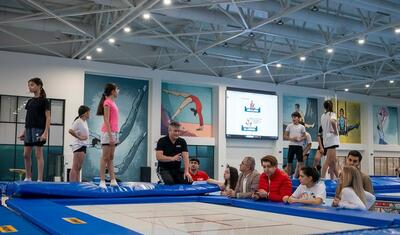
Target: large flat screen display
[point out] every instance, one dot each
(251, 114)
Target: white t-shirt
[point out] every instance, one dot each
(81, 128)
(316, 191)
(307, 141)
(350, 200)
(329, 138)
(295, 131)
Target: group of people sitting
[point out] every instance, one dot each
(354, 189)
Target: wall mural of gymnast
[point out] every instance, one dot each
(307, 107)
(131, 153)
(189, 105)
(385, 125)
(348, 119)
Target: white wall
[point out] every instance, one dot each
(64, 79)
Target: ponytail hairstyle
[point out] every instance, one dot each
(82, 110)
(39, 82)
(328, 105)
(108, 89)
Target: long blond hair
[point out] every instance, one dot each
(351, 177)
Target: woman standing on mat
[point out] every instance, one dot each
(37, 124)
(80, 131)
(109, 138)
(330, 137)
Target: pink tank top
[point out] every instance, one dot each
(113, 116)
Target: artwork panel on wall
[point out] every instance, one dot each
(132, 102)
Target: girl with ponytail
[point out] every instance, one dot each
(109, 138)
(37, 125)
(80, 131)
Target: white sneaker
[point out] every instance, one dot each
(102, 184)
(113, 183)
(28, 179)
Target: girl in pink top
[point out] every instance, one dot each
(109, 138)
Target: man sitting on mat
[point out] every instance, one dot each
(197, 175)
(170, 151)
(274, 183)
(248, 180)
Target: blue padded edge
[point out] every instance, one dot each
(90, 190)
(48, 216)
(372, 231)
(317, 212)
(22, 226)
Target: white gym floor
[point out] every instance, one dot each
(204, 218)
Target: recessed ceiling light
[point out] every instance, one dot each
(329, 50)
(303, 58)
(346, 89)
(239, 76)
(280, 22)
(251, 35)
(278, 65)
(111, 40)
(88, 57)
(397, 30)
(146, 16)
(314, 8)
(391, 81)
(258, 71)
(367, 85)
(167, 2)
(127, 29)
(99, 49)
(361, 41)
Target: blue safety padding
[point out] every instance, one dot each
(91, 190)
(372, 231)
(49, 216)
(8, 217)
(317, 212)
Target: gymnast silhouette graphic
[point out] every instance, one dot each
(188, 98)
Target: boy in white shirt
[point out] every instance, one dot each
(295, 133)
(307, 142)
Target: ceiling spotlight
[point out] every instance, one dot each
(205, 53)
(366, 85)
(239, 76)
(186, 61)
(146, 16)
(258, 71)
(251, 35)
(278, 65)
(99, 49)
(225, 44)
(391, 81)
(111, 40)
(329, 50)
(167, 2)
(361, 41)
(88, 57)
(280, 22)
(346, 89)
(303, 58)
(397, 30)
(127, 29)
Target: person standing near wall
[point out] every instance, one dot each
(330, 136)
(37, 125)
(80, 131)
(109, 138)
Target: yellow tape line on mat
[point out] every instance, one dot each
(74, 220)
(7, 229)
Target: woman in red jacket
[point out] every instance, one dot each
(274, 183)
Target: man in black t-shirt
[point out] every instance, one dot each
(170, 151)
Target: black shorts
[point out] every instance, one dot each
(32, 137)
(295, 150)
(81, 149)
(330, 147)
(171, 176)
